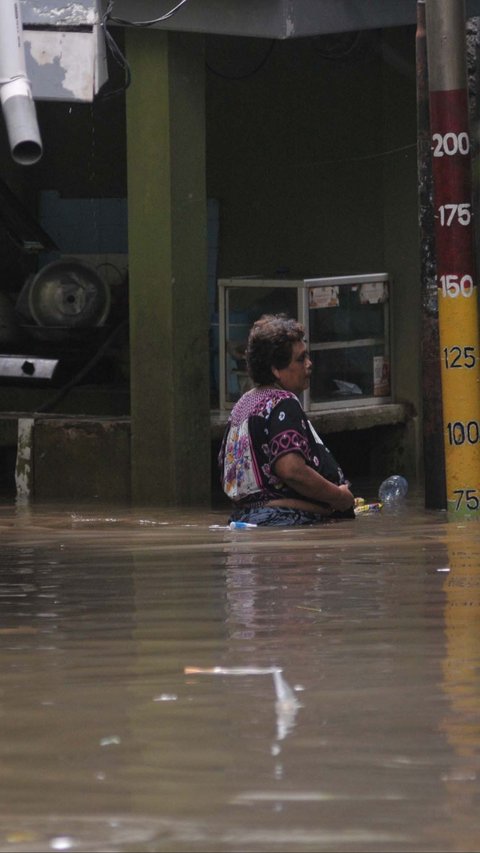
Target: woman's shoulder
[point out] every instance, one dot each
(259, 400)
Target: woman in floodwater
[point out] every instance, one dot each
(274, 466)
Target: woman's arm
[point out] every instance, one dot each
(292, 469)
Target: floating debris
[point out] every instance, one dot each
(107, 741)
(364, 507)
(286, 705)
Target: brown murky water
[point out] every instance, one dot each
(108, 744)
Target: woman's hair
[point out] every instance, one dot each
(270, 344)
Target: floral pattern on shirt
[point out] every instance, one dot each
(265, 424)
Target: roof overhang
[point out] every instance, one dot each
(280, 19)
(65, 49)
(276, 19)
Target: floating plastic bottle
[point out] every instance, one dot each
(392, 489)
(240, 525)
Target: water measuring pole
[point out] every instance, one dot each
(456, 276)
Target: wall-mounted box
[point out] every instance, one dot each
(347, 323)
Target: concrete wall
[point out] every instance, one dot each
(293, 157)
(311, 148)
(81, 460)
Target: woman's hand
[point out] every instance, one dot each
(345, 499)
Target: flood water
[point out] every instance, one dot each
(363, 734)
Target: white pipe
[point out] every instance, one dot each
(15, 91)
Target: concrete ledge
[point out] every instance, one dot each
(85, 457)
(9, 422)
(326, 421)
(339, 420)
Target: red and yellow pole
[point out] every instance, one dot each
(456, 277)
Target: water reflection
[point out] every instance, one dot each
(461, 675)
(67, 627)
(109, 740)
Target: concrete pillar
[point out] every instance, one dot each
(169, 359)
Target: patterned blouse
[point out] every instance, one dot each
(265, 424)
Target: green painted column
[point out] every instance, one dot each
(167, 212)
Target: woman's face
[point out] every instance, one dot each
(295, 376)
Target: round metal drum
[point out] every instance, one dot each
(68, 293)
